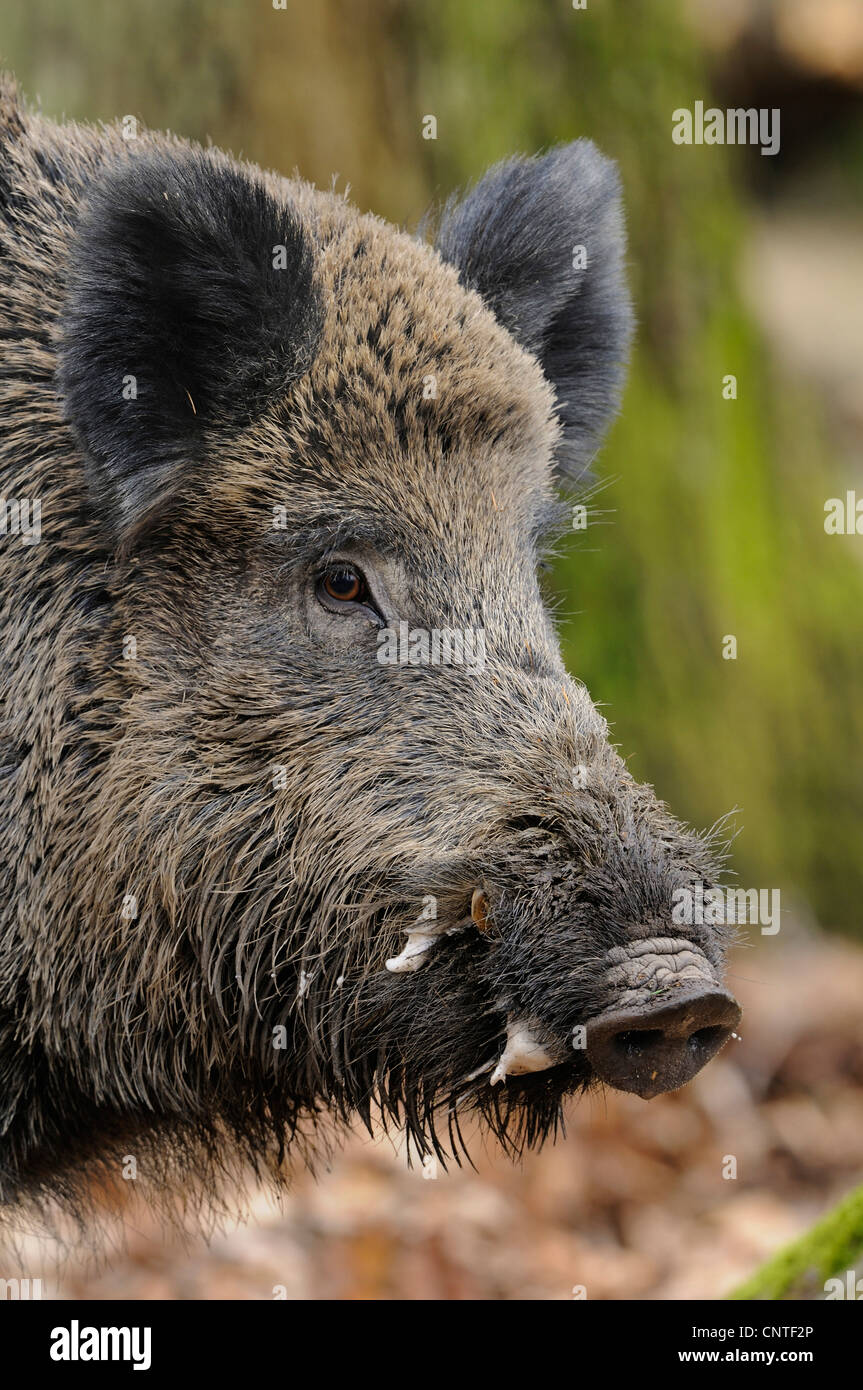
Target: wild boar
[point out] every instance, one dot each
(301, 815)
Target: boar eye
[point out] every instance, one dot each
(342, 586)
(345, 585)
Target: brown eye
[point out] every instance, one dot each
(342, 588)
(345, 585)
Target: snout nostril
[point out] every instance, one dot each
(640, 1042)
(707, 1037)
(635, 1042)
(683, 1033)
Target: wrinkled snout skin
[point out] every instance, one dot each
(670, 1015)
(266, 861)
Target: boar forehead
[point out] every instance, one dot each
(418, 404)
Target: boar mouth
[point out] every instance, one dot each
(668, 1015)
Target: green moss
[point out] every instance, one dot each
(825, 1252)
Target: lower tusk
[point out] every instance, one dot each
(522, 1053)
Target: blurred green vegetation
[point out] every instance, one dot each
(802, 1269)
(716, 506)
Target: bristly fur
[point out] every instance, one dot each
(264, 904)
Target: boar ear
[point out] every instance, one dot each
(542, 241)
(191, 305)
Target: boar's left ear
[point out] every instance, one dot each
(542, 241)
(191, 304)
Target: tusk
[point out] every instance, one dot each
(417, 947)
(414, 952)
(522, 1053)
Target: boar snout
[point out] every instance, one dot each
(659, 1048)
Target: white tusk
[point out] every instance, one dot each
(417, 947)
(412, 957)
(521, 1054)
